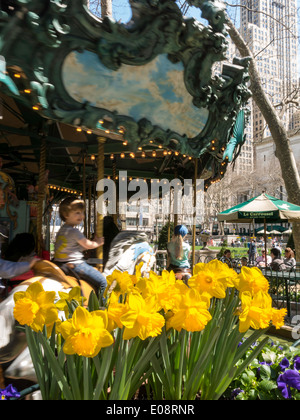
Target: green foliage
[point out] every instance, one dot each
(290, 242)
(259, 380)
(163, 236)
(224, 246)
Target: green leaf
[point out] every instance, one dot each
(267, 386)
(103, 372)
(87, 379)
(37, 359)
(247, 377)
(56, 368)
(93, 303)
(72, 372)
(251, 356)
(265, 372)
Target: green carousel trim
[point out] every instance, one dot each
(36, 39)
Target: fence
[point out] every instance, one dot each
(161, 260)
(285, 291)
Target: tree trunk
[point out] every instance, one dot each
(280, 137)
(106, 8)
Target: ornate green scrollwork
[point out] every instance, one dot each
(47, 35)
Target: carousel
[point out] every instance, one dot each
(85, 99)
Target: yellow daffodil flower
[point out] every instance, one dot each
(220, 270)
(121, 283)
(256, 311)
(115, 311)
(35, 307)
(213, 278)
(74, 294)
(223, 274)
(141, 320)
(278, 317)
(252, 280)
(171, 296)
(191, 313)
(158, 286)
(138, 275)
(86, 333)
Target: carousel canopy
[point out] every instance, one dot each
(145, 90)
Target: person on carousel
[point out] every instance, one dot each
(179, 251)
(70, 243)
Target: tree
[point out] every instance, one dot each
(101, 7)
(279, 134)
(163, 236)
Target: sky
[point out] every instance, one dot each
(121, 9)
(122, 12)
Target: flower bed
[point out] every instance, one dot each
(273, 375)
(180, 341)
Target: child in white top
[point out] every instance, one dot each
(70, 243)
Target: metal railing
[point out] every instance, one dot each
(162, 257)
(285, 291)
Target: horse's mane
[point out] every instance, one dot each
(121, 243)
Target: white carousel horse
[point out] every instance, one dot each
(128, 249)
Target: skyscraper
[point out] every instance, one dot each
(270, 29)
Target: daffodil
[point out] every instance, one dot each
(141, 320)
(115, 311)
(256, 311)
(74, 294)
(191, 313)
(170, 298)
(138, 274)
(213, 278)
(278, 317)
(158, 286)
(86, 332)
(35, 307)
(252, 280)
(119, 282)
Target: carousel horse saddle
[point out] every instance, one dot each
(49, 269)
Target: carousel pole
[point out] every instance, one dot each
(265, 235)
(194, 215)
(100, 174)
(95, 204)
(84, 192)
(114, 175)
(2, 380)
(41, 197)
(169, 217)
(89, 208)
(175, 215)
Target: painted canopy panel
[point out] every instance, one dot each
(151, 79)
(155, 91)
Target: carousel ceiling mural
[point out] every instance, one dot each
(150, 82)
